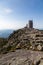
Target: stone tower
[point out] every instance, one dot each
(30, 24)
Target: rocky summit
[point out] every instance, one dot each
(26, 38)
(23, 47)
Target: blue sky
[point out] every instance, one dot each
(14, 14)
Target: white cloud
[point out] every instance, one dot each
(8, 24)
(8, 10)
(4, 11)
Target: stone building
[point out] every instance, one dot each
(30, 24)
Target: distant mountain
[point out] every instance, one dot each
(5, 33)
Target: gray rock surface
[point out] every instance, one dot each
(21, 57)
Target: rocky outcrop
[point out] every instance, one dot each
(25, 38)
